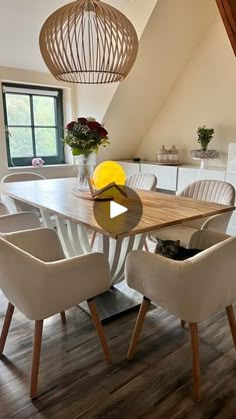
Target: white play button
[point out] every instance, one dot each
(116, 209)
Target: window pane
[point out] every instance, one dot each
(18, 109)
(44, 110)
(46, 142)
(20, 140)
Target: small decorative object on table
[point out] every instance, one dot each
(173, 156)
(37, 162)
(85, 136)
(205, 135)
(165, 156)
(109, 176)
(162, 155)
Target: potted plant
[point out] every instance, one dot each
(205, 135)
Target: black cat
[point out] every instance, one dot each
(171, 249)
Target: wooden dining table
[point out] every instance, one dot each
(74, 218)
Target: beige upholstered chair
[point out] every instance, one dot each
(13, 205)
(144, 181)
(203, 190)
(193, 290)
(35, 278)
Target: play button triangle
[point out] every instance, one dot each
(116, 209)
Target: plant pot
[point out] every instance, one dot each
(204, 164)
(204, 156)
(86, 166)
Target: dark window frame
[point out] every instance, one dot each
(58, 106)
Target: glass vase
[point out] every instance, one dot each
(86, 166)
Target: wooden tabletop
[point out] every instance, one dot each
(159, 210)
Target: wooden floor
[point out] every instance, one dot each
(75, 382)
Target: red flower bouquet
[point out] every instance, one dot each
(85, 136)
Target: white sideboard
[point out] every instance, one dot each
(187, 175)
(130, 168)
(174, 179)
(166, 175)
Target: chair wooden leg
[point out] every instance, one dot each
(38, 331)
(93, 239)
(232, 322)
(63, 317)
(183, 324)
(195, 361)
(138, 328)
(6, 326)
(99, 329)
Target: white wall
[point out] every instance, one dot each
(173, 33)
(32, 77)
(94, 100)
(205, 93)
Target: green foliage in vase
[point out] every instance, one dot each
(85, 136)
(205, 135)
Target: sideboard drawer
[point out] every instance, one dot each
(166, 175)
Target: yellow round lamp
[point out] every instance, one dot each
(108, 172)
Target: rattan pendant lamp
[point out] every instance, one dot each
(88, 41)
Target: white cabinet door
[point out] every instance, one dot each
(166, 175)
(187, 175)
(211, 174)
(130, 168)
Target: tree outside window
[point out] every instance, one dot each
(34, 124)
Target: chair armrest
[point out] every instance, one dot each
(193, 289)
(218, 222)
(203, 239)
(42, 243)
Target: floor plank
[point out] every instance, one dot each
(76, 383)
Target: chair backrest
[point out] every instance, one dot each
(211, 190)
(34, 273)
(13, 205)
(21, 177)
(24, 267)
(18, 222)
(192, 289)
(145, 181)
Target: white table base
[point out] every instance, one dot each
(75, 241)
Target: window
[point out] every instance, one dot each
(33, 124)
